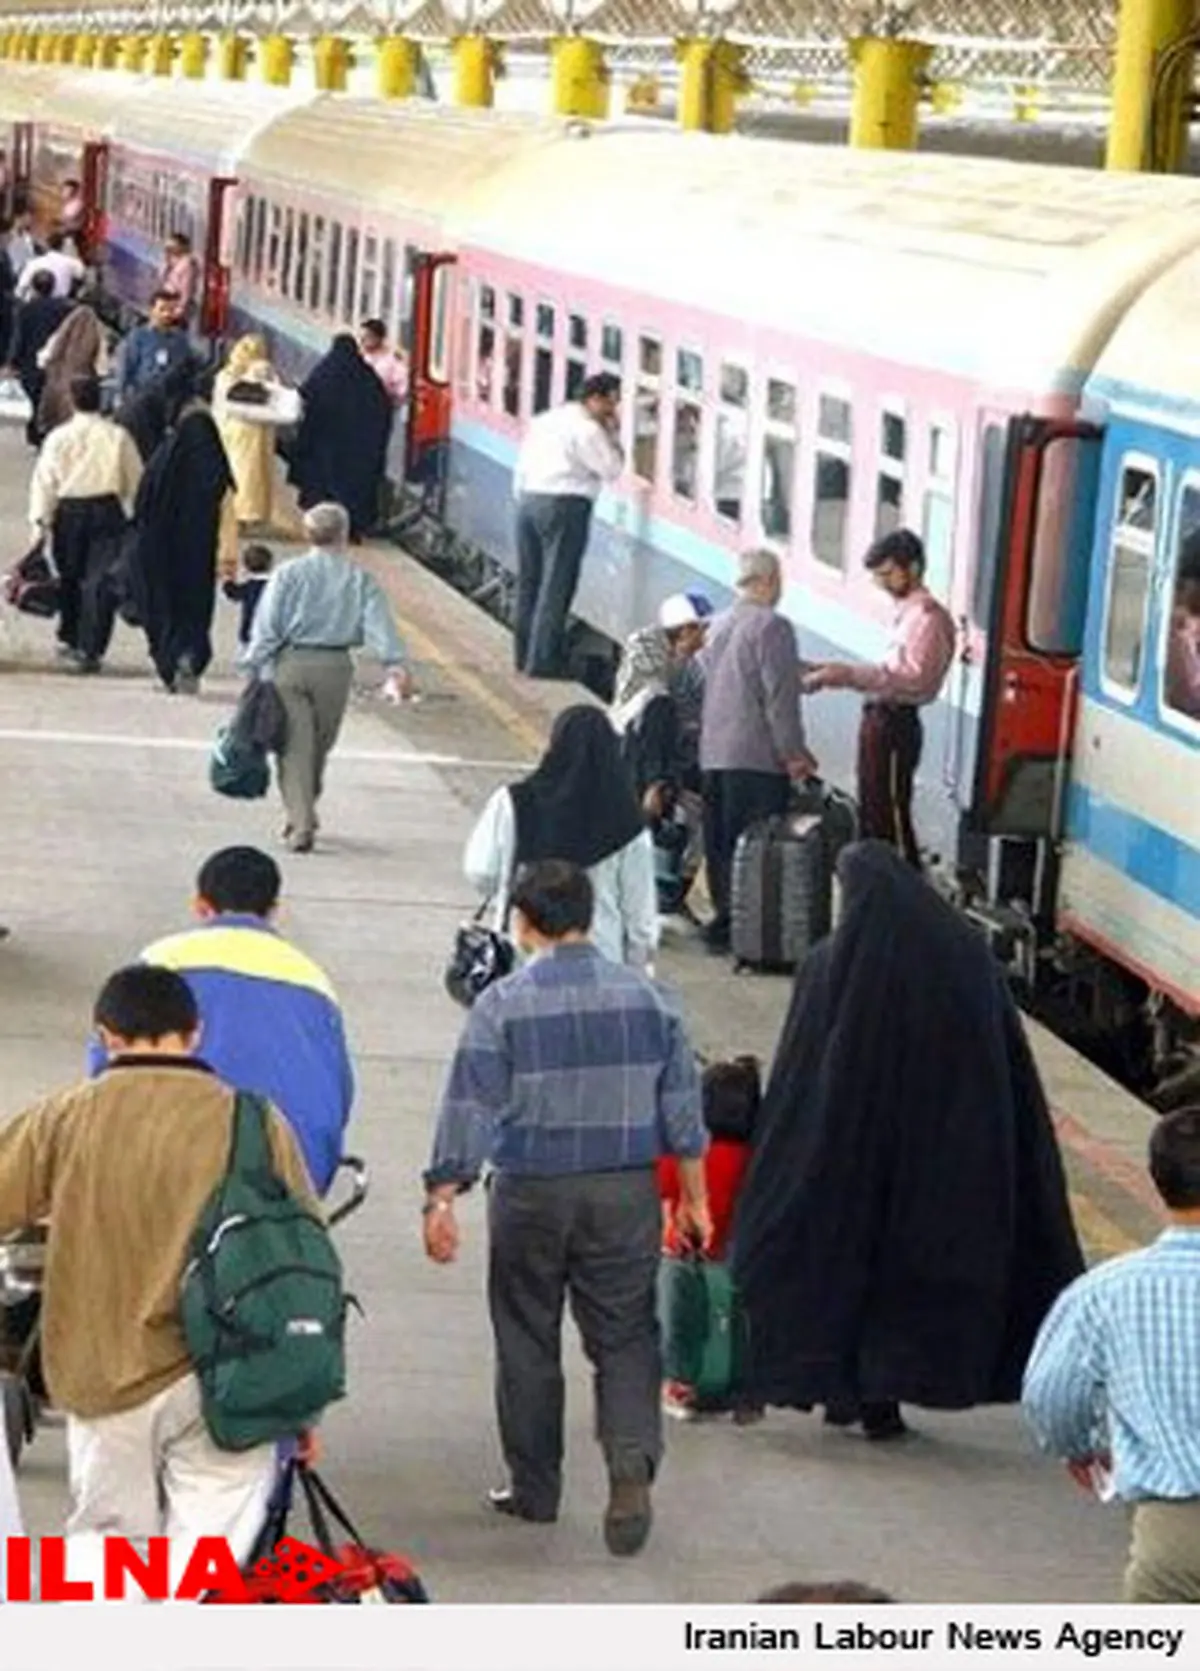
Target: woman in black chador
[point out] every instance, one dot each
(904, 1227)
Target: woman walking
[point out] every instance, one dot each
(77, 349)
(249, 446)
(186, 535)
(341, 448)
(578, 804)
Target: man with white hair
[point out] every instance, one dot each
(751, 733)
(314, 611)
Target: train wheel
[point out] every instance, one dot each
(17, 1423)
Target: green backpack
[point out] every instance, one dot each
(262, 1303)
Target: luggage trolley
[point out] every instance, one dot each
(22, 1263)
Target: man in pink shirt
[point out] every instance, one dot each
(1182, 682)
(387, 365)
(910, 675)
(180, 274)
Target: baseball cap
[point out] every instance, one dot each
(684, 609)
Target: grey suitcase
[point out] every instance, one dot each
(781, 890)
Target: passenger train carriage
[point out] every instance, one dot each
(816, 346)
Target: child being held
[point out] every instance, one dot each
(732, 1094)
(257, 561)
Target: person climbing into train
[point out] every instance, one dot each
(569, 453)
(909, 677)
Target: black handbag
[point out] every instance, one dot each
(246, 393)
(31, 586)
(481, 957)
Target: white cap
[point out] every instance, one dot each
(684, 609)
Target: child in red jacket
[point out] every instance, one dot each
(732, 1093)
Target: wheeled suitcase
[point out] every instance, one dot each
(781, 889)
(702, 1326)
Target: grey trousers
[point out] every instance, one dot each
(593, 1238)
(1164, 1556)
(314, 686)
(552, 536)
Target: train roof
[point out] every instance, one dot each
(1150, 364)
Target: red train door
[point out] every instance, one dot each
(22, 162)
(1043, 557)
(94, 186)
(218, 263)
(427, 442)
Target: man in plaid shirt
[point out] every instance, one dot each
(570, 1080)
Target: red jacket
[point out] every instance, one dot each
(725, 1164)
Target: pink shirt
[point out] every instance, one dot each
(1183, 665)
(917, 659)
(391, 372)
(179, 276)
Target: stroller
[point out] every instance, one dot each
(22, 1262)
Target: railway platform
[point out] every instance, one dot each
(107, 814)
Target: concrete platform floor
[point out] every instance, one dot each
(107, 816)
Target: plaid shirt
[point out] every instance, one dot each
(1117, 1367)
(573, 1064)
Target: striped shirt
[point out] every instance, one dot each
(573, 1064)
(1116, 1369)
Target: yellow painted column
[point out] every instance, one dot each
(84, 55)
(64, 49)
(193, 57)
(1142, 138)
(108, 52)
(276, 56)
(581, 78)
(887, 91)
(133, 53)
(31, 47)
(397, 65)
(233, 56)
(476, 61)
(332, 59)
(162, 54)
(712, 80)
(46, 48)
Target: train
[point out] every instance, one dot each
(816, 345)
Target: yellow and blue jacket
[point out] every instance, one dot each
(272, 1024)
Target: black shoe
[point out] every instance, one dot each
(85, 664)
(628, 1517)
(842, 1414)
(884, 1421)
(503, 1500)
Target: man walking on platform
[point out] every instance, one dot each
(910, 675)
(81, 496)
(1113, 1382)
(568, 455)
(751, 734)
(572, 1077)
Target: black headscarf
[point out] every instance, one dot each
(579, 803)
(905, 1226)
(340, 451)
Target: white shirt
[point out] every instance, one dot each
(85, 458)
(625, 919)
(566, 451)
(66, 271)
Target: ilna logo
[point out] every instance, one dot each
(292, 1575)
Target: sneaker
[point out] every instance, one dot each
(503, 1500)
(678, 1405)
(628, 1517)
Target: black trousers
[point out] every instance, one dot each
(889, 752)
(86, 540)
(552, 536)
(732, 802)
(592, 1238)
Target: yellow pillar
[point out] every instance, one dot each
(233, 55)
(397, 65)
(887, 90)
(84, 54)
(713, 78)
(276, 57)
(331, 63)
(581, 78)
(476, 60)
(1141, 136)
(46, 48)
(193, 57)
(133, 53)
(31, 48)
(108, 52)
(1027, 104)
(162, 54)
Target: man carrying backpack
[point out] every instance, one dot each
(137, 1172)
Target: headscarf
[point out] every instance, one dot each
(579, 803)
(905, 1226)
(74, 351)
(247, 356)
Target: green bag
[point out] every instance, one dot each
(703, 1330)
(262, 1302)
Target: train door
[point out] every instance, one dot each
(94, 186)
(427, 442)
(218, 257)
(1035, 637)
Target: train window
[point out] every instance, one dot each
(368, 277)
(735, 385)
(389, 299)
(729, 453)
(544, 320)
(1181, 648)
(245, 219)
(516, 311)
(1063, 541)
(577, 332)
(1130, 565)
(889, 480)
(543, 357)
(333, 288)
(485, 345)
(832, 480)
(316, 270)
(779, 461)
(466, 331)
(260, 238)
(285, 260)
(273, 236)
(689, 371)
(781, 402)
(349, 276)
(649, 356)
(685, 453)
(647, 421)
(514, 357)
(576, 366)
(937, 517)
(612, 346)
(300, 270)
(439, 343)
(993, 447)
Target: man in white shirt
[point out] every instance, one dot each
(568, 455)
(66, 270)
(387, 364)
(82, 493)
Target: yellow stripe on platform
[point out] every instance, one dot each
(1099, 1233)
